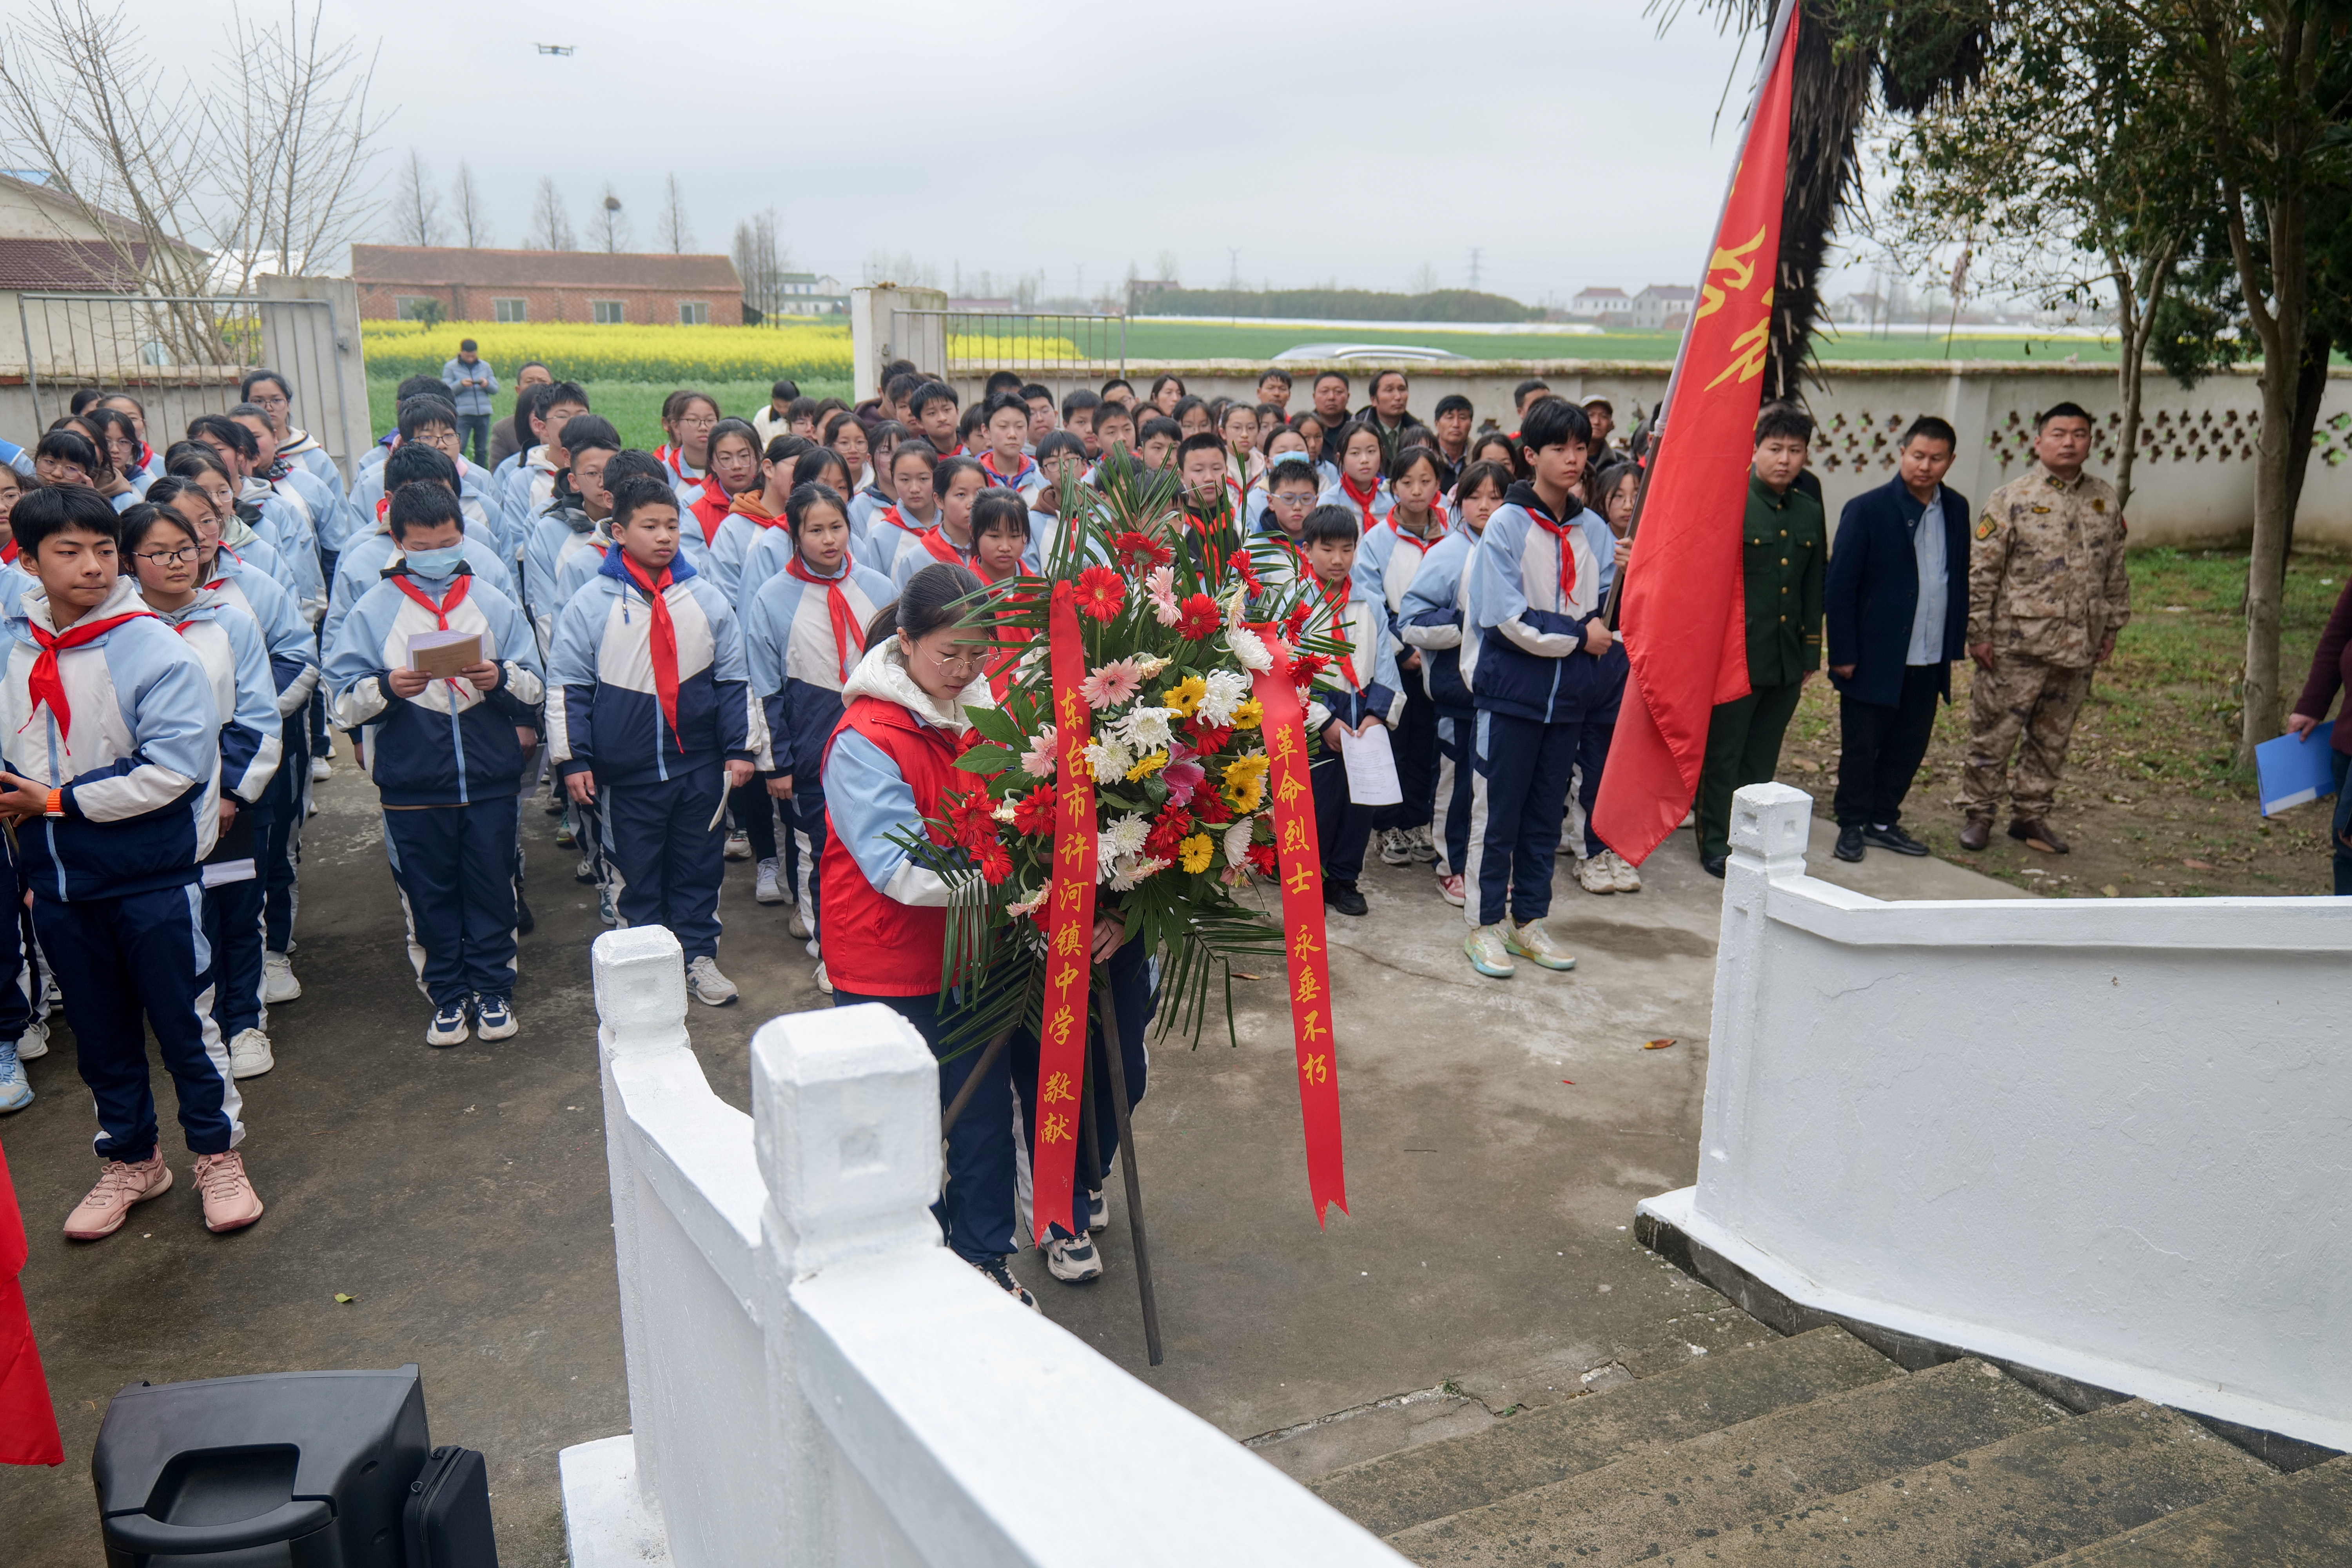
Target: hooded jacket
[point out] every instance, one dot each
(1522, 637)
(794, 654)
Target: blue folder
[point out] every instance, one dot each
(2293, 769)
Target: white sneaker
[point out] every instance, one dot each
(16, 1087)
(1451, 888)
(1425, 848)
(823, 982)
(249, 1054)
(798, 925)
(707, 985)
(1073, 1260)
(1488, 953)
(738, 846)
(1396, 847)
(34, 1043)
(1534, 942)
(770, 888)
(278, 982)
(1622, 872)
(1593, 875)
(1098, 1211)
(321, 770)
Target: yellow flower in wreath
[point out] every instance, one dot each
(1247, 715)
(1146, 765)
(1194, 853)
(1245, 782)
(1184, 697)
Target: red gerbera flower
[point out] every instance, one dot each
(1100, 593)
(1197, 618)
(1243, 564)
(1168, 830)
(1207, 739)
(996, 863)
(1212, 808)
(1139, 553)
(1296, 621)
(1306, 667)
(1033, 812)
(969, 814)
(1261, 857)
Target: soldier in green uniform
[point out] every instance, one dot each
(1784, 548)
(2047, 592)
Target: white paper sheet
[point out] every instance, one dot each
(1371, 767)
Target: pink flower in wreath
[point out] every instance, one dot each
(1112, 684)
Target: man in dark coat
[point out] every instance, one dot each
(1897, 604)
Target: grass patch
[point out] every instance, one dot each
(2149, 787)
(633, 406)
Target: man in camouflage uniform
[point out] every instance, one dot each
(2046, 595)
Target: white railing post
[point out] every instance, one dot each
(845, 1110)
(1770, 824)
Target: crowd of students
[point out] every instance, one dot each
(741, 646)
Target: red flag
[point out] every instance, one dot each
(1680, 612)
(1069, 936)
(1300, 861)
(29, 1424)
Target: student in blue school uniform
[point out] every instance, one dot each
(274, 396)
(1545, 676)
(1429, 619)
(446, 757)
(579, 501)
(364, 559)
(959, 481)
(881, 445)
(1391, 553)
(1360, 691)
(752, 514)
(532, 484)
(109, 739)
(653, 718)
(433, 421)
(163, 552)
(1361, 485)
(1005, 462)
(804, 632)
(1061, 458)
(776, 545)
(886, 767)
(294, 663)
(284, 525)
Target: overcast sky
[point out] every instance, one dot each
(1574, 145)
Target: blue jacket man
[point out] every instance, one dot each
(471, 385)
(1896, 604)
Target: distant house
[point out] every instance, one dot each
(810, 294)
(403, 282)
(48, 244)
(1608, 306)
(1661, 305)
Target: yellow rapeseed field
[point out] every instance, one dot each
(673, 355)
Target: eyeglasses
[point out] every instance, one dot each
(951, 662)
(697, 422)
(167, 557)
(270, 402)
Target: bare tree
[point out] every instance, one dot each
(194, 187)
(1423, 280)
(1167, 265)
(613, 231)
(473, 213)
(762, 263)
(550, 222)
(672, 230)
(416, 209)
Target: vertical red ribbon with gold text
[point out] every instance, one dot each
(1069, 932)
(1299, 860)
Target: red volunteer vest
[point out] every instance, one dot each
(875, 945)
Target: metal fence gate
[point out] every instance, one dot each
(1059, 351)
(182, 355)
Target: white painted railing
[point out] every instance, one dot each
(2109, 1139)
(815, 1380)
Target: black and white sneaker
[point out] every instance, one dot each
(1073, 1260)
(1098, 1211)
(1891, 837)
(994, 1271)
(1396, 847)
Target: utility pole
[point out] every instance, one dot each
(1233, 268)
(1476, 252)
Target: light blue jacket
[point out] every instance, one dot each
(470, 399)
(226, 637)
(364, 564)
(795, 661)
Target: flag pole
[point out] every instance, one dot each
(1774, 42)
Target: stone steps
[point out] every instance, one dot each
(1816, 1450)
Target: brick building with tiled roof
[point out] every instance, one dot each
(396, 281)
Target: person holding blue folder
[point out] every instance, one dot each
(2331, 668)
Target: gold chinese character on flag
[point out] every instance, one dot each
(1308, 988)
(1053, 1129)
(1057, 1088)
(1316, 1069)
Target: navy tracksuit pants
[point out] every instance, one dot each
(278, 856)
(1519, 796)
(975, 1208)
(669, 854)
(1131, 995)
(1415, 743)
(118, 959)
(1450, 818)
(809, 834)
(1342, 828)
(454, 865)
(233, 926)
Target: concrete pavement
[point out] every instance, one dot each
(459, 1195)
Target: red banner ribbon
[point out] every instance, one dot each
(1299, 859)
(1069, 934)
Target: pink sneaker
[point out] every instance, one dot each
(120, 1185)
(230, 1201)
(1450, 889)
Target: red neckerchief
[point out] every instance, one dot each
(1559, 532)
(8, 553)
(663, 642)
(891, 515)
(146, 456)
(943, 548)
(847, 632)
(988, 471)
(1363, 499)
(1339, 603)
(1407, 536)
(46, 684)
(708, 516)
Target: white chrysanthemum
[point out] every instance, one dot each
(1227, 690)
(1248, 648)
(1146, 728)
(1127, 871)
(1237, 842)
(1107, 760)
(1125, 835)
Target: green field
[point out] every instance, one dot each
(634, 407)
(1242, 340)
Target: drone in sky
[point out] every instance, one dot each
(554, 49)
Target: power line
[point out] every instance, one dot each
(1476, 252)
